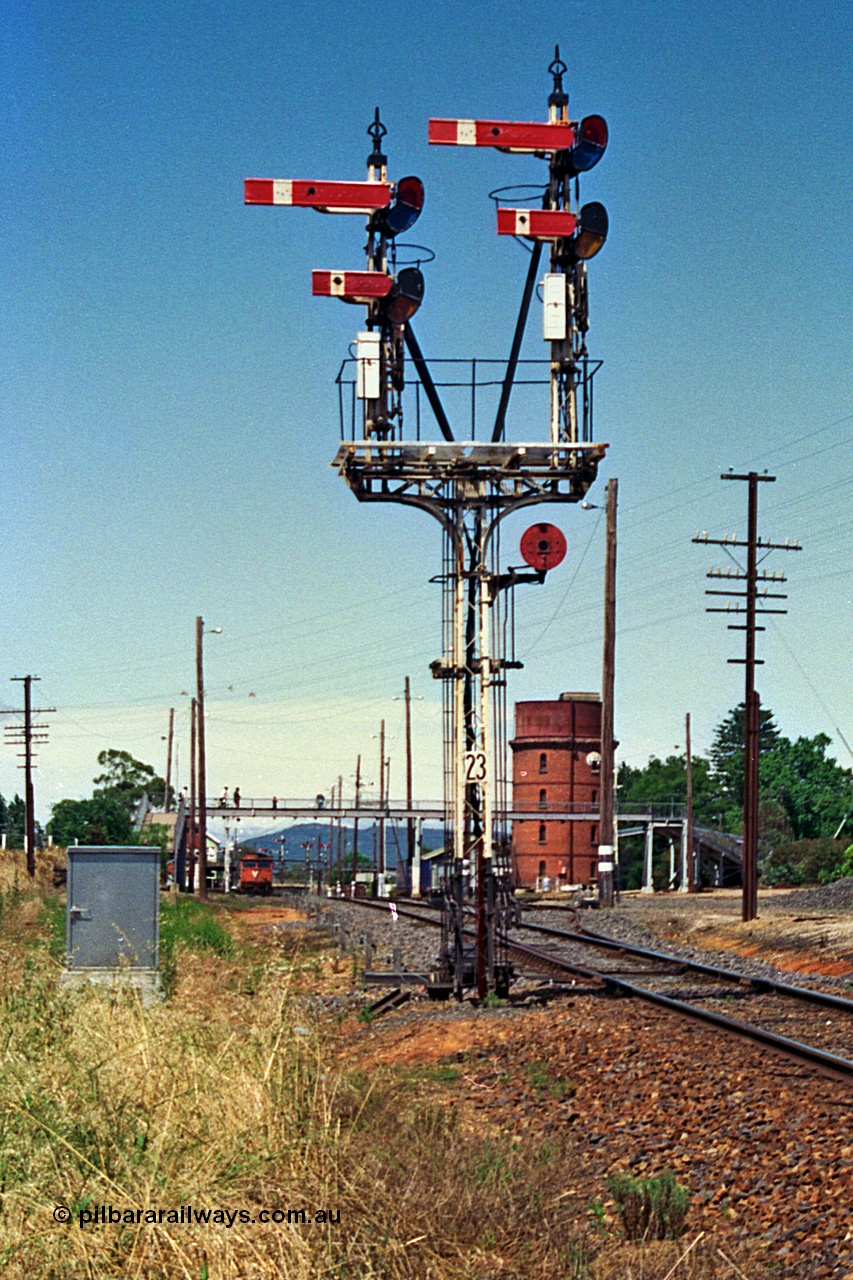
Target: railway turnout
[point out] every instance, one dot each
(789, 1019)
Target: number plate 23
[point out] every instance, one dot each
(474, 764)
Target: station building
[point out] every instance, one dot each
(556, 768)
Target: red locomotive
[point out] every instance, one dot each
(256, 873)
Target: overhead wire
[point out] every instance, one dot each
(808, 681)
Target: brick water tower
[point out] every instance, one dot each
(556, 770)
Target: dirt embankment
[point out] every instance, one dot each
(807, 932)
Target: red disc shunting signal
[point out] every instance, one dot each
(543, 546)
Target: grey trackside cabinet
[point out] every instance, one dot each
(113, 913)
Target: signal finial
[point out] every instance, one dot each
(559, 99)
(377, 160)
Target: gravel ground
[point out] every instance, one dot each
(621, 926)
(419, 943)
(831, 897)
(764, 1143)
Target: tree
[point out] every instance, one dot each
(663, 782)
(127, 780)
(107, 817)
(14, 822)
(728, 748)
(101, 820)
(804, 796)
(812, 788)
(157, 835)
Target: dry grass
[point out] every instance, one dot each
(14, 880)
(226, 1097)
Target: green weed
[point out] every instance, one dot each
(541, 1080)
(598, 1211)
(193, 925)
(493, 1166)
(650, 1208)
(442, 1073)
(578, 1258)
(53, 916)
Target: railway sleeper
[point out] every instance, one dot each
(393, 978)
(386, 1003)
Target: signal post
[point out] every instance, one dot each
(469, 485)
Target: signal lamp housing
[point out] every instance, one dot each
(406, 209)
(406, 296)
(593, 223)
(590, 144)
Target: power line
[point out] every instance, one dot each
(807, 679)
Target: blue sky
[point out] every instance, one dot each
(167, 380)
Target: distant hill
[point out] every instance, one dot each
(293, 838)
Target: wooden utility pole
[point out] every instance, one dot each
(375, 880)
(691, 864)
(752, 703)
(410, 824)
(26, 735)
(340, 835)
(166, 805)
(382, 810)
(606, 819)
(29, 803)
(752, 715)
(202, 762)
(355, 825)
(192, 852)
(30, 807)
(332, 835)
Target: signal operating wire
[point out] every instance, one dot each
(569, 587)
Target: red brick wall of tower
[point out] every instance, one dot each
(556, 765)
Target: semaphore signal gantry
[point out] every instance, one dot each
(470, 480)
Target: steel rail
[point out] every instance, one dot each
(385, 906)
(723, 975)
(747, 1030)
(788, 989)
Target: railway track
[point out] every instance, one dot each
(801, 1022)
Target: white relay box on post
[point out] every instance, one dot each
(554, 306)
(367, 364)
